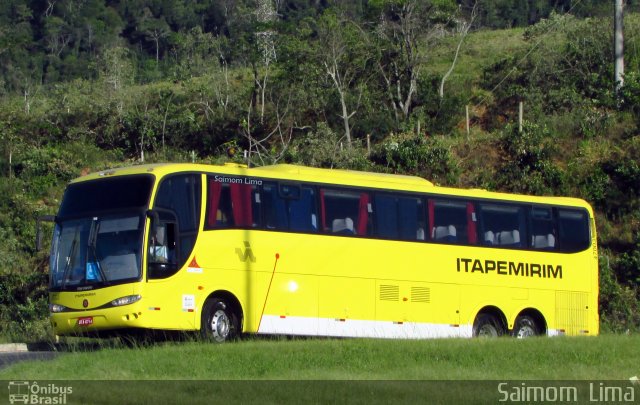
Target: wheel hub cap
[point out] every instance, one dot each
(220, 325)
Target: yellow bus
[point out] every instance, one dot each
(294, 250)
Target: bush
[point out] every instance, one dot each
(628, 264)
(418, 155)
(614, 186)
(325, 148)
(526, 165)
(619, 305)
(439, 115)
(24, 306)
(630, 94)
(568, 70)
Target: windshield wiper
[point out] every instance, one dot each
(71, 258)
(93, 237)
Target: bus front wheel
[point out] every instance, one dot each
(219, 322)
(487, 326)
(524, 327)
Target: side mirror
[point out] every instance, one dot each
(155, 220)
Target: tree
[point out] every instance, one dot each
(18, 58)
(115, 67)
(343, 51)
(195, 52)
(57, 35)
(403, 25)
(464, 30)
(265, 42)
(8, 140)
(154, 29)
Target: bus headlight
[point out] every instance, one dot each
(55, 308)
(129, 299)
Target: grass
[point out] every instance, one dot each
(354, 371)
(608, 357)
(479, 50)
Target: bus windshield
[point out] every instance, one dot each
(96, 252)
(98, 236)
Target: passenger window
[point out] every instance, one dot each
(302, 211)
(452, 221)
(400, 217)
(275, 209)
(232, 205)
(345, 212)
(503, 225)
(387, 226)
(289, 207)
(573, 226)
(543, 229)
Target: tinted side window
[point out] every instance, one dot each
(400, 217)
(386, 217)
(452, 221)
(232, 205)
(573, 227)
(503, 225)
(543, 229)
(289, 207)
(345, 212)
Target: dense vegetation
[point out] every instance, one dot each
(91, 84)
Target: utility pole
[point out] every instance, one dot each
(619, 45)
(520, 115)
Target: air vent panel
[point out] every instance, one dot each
(421, 294)
(389, 292)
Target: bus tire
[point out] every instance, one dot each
(524, 327)
(487, 326)
(219, 321)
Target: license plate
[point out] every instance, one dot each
(86, 321)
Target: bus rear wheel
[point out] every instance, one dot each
(524, 327)
(487, 326)
(219, 321)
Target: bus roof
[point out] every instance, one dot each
(279, 171)
(351, 176)
(331, 176)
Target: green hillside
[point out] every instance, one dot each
(206, 89)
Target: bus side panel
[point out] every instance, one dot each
(557, 285)
(322, 285)
(270, 274)
(171, 303)
(291, 306)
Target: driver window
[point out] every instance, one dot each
(162, 251)
(162, 247)
(177, 205)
